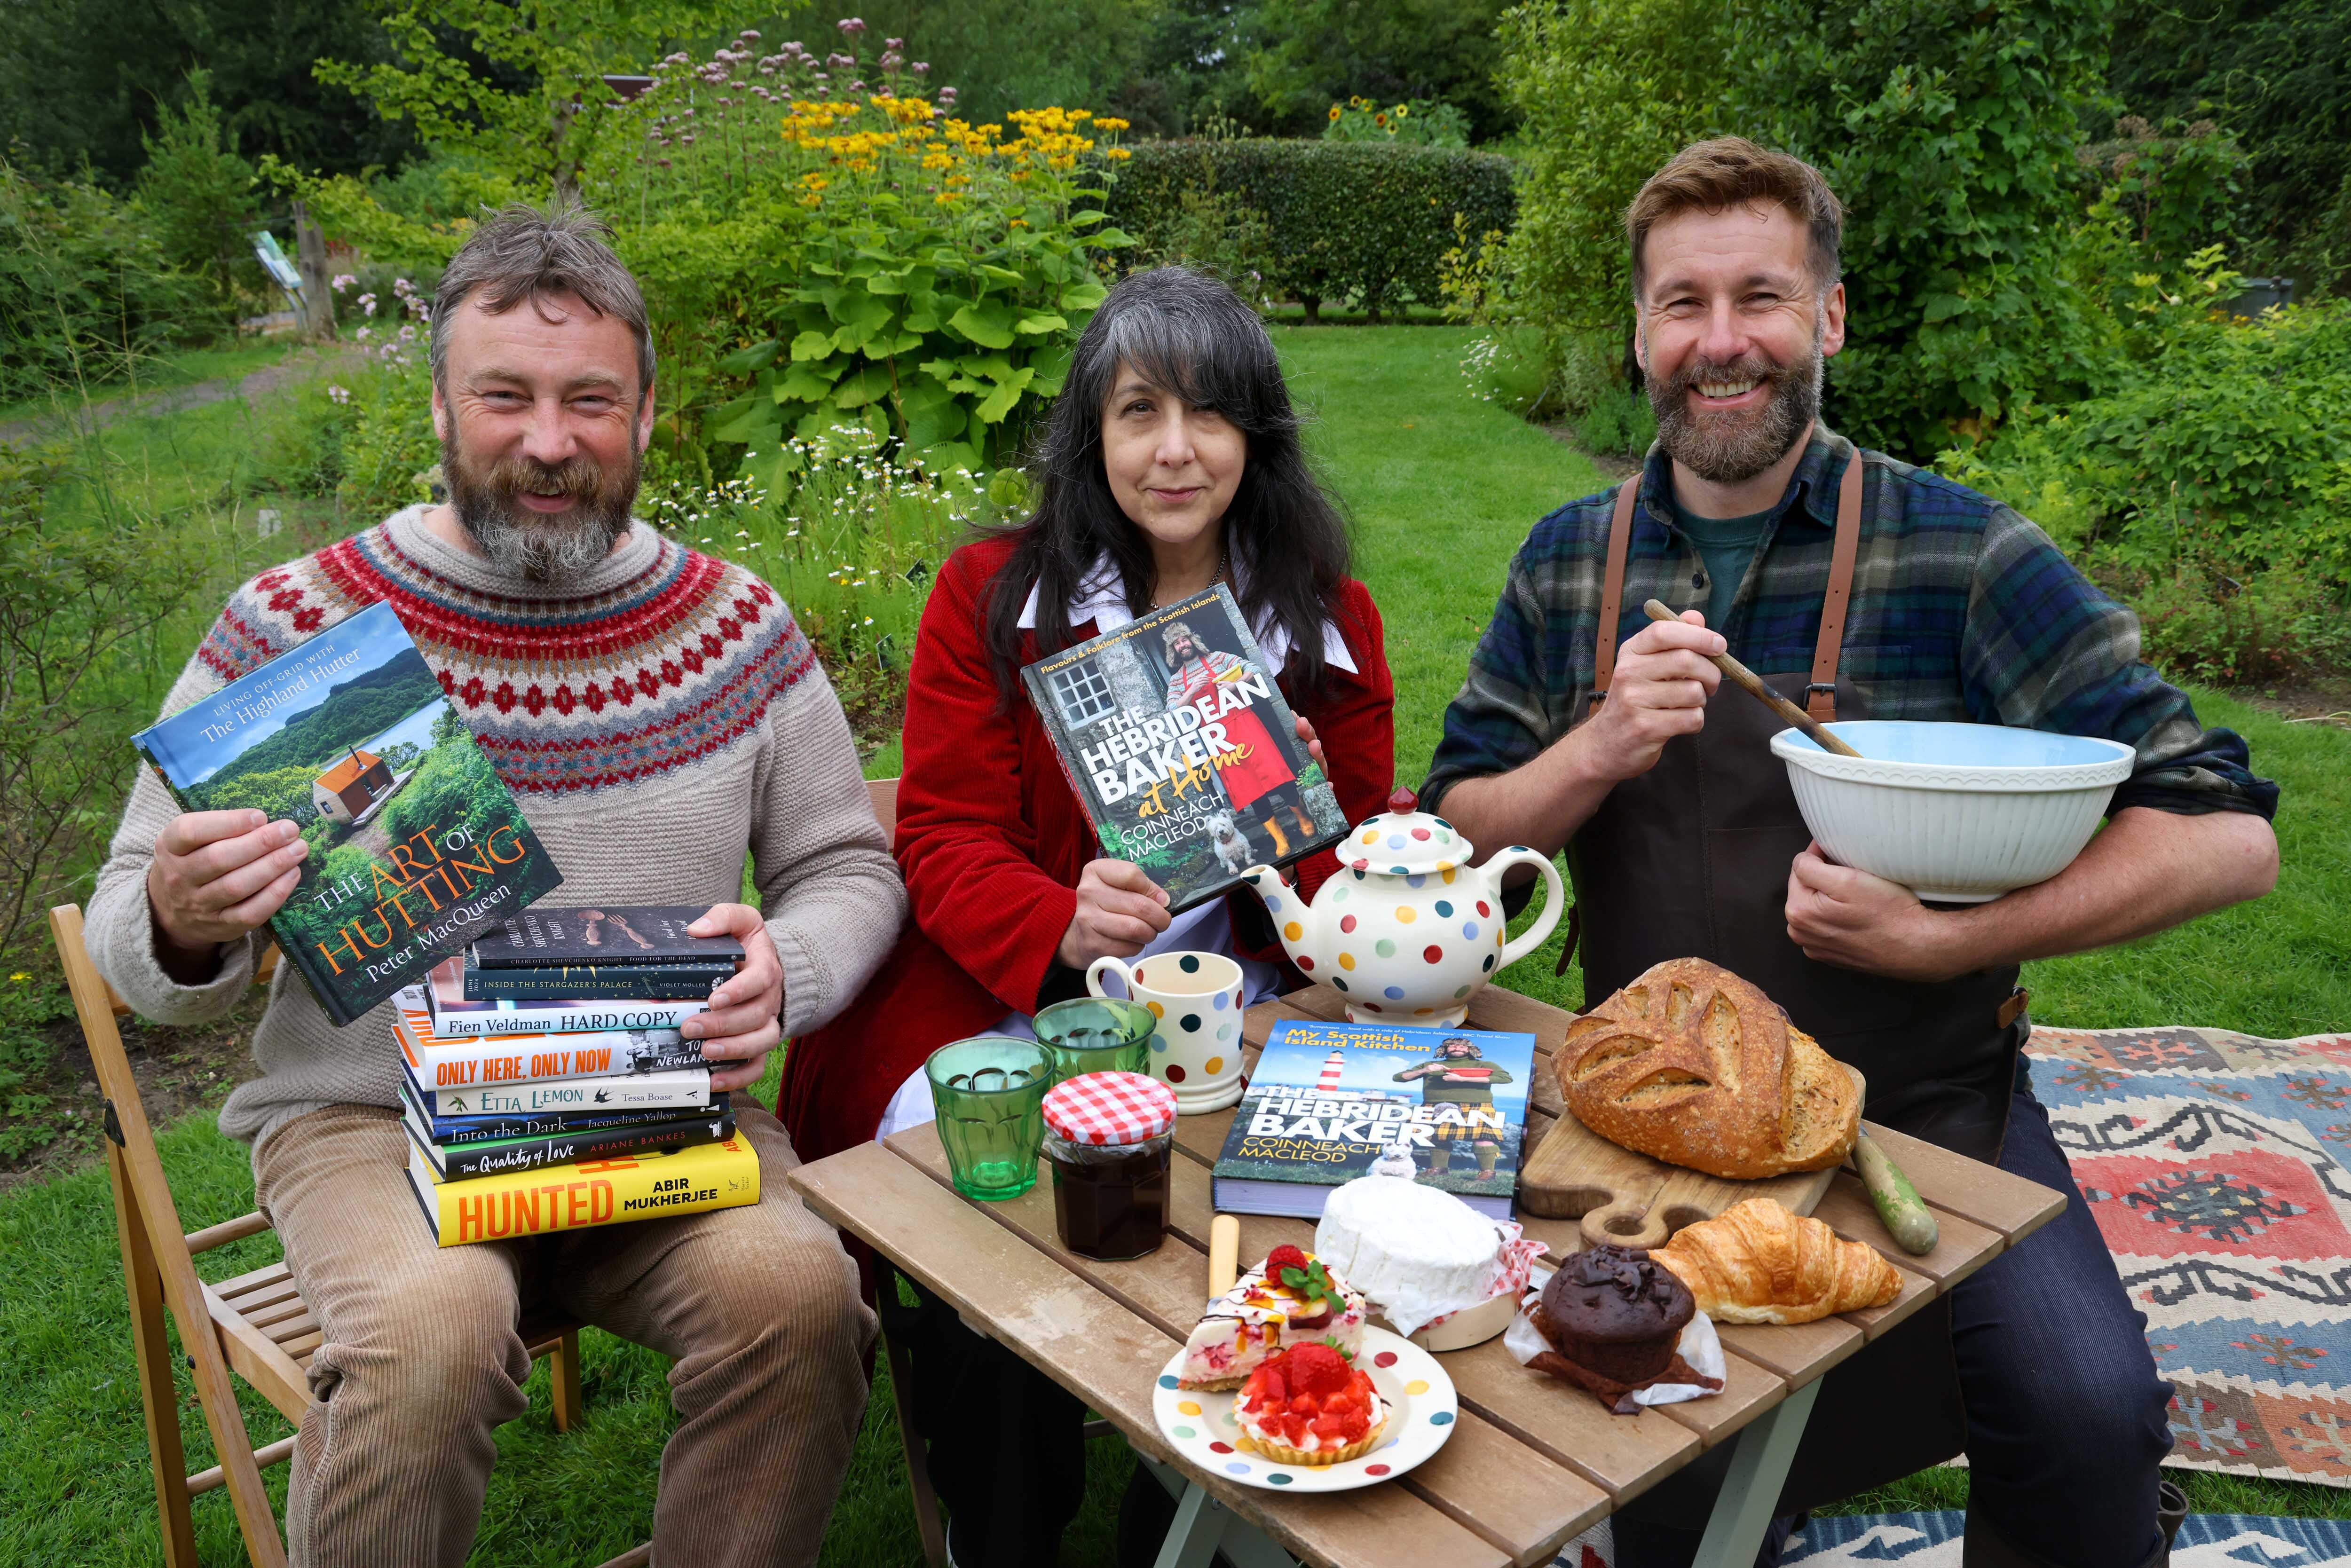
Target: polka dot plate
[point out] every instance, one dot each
(1422, 1415)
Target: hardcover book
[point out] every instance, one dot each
(723, 1174)
(595, 982)
(1183, 752)
(612, 933)
(414, 841)
(480, 1060)
(679, 1088)
(1330, 1102)
(457, 1017)
(468, 1129)
(455, 1161)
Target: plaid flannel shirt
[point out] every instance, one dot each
(1961, 610)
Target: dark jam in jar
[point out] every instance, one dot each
(1110, 1203)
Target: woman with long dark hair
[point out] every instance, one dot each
(1170, 462)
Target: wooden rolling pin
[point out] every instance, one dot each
(1752, 685)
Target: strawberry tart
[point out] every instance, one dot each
(1292, 1299)
(1310, 1406)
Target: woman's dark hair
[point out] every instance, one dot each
(1196, 339)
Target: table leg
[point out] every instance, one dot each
(1241, 1543)
(1192, 1537)
(1742, 1509)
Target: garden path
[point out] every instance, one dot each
(97, 412)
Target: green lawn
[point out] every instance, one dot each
(226, 362)
(1442, 488)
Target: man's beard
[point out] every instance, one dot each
(1732, 445)
(540, 546)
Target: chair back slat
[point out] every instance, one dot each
(158, 1219)
(883, 794)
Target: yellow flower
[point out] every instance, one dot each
(1335, 111)
(1116, 153)
(1110, 124)
(20, 974)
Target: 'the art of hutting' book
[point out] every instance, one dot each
(415, 844)
(1331, 1102)
(723, 1174)
(1179, 743)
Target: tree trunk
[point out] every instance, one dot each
(317, 325)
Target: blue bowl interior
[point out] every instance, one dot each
(1965, 745)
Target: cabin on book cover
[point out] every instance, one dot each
(415, 844)
(1179, 745)
(1330, 1102)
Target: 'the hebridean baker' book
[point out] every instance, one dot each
(415, 844)
(1330, 1102)
(1179, 746)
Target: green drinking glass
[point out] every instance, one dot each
(1096, 1034)
(989, 1095)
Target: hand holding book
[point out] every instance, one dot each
(216, 877)
(744, 1023)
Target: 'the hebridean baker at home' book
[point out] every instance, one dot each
(454, 1016)
(1179, 746)
(1330, 1101)
(415, 844)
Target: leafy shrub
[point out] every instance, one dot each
(2210, 488)
(1421, 122)
(199, 197)
(1618, 422)
(86, 290)
(1216, 232)
(1349, 221)
(2176, 186)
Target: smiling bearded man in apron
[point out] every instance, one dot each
(1861, 588)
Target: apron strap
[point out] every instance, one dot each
(1611, 589)
(1820, 697)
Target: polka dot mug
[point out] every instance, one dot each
(1197, 1048)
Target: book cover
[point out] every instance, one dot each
(457, 1017)
(476, 1129)
(679, 1088)
(723, 1174)
(612, 934)
(414, 841)
(595, 982)
(1179, 746)
(1330, 1102)
(461, 1161)
(474, 1062)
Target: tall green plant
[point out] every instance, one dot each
(86, 291)
(199, 196)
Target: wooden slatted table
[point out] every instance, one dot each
(1532, 1461)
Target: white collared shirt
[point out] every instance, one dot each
(1101, 599)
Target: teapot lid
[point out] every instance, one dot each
(1403, 841)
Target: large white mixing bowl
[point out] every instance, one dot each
(1958, 813)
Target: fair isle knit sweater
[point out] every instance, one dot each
(657, 720)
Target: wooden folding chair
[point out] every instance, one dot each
(254, 1325)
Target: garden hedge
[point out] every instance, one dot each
(1348, 220)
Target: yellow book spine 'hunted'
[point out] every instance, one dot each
(650, 1185)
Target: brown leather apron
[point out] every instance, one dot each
(1691, 859)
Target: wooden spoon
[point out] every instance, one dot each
(1752, 685)
(1224, 1254)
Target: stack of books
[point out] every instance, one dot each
(546, 1084)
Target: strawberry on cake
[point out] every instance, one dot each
(1310, 1406)
(1290, 1299)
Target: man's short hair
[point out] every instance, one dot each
(1730, 171)
(522, 252)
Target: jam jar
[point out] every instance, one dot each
(1108, 1137)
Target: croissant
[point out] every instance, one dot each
(1756, 1263)
(1693, 1065)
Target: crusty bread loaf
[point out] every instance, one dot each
(1692, 1064)
(1756, 1263)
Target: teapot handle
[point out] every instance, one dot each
(1553, 905)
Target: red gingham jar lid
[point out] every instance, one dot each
(1104, 1108)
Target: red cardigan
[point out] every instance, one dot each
(992, 841)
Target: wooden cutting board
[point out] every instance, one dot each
(1634, 1199)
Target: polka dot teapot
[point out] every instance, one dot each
(1408, 929)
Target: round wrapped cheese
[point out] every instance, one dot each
(1416, 1252)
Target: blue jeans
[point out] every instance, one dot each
(2067, 1419)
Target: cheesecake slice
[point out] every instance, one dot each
(1290, 1299)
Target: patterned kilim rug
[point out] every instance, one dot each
(1932, 1541)
(2215, 1164)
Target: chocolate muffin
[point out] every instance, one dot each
(1613, 1311)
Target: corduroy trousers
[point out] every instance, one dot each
(419, 1364)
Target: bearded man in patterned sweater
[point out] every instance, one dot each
(659, 716)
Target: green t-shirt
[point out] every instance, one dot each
(1727, 545)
